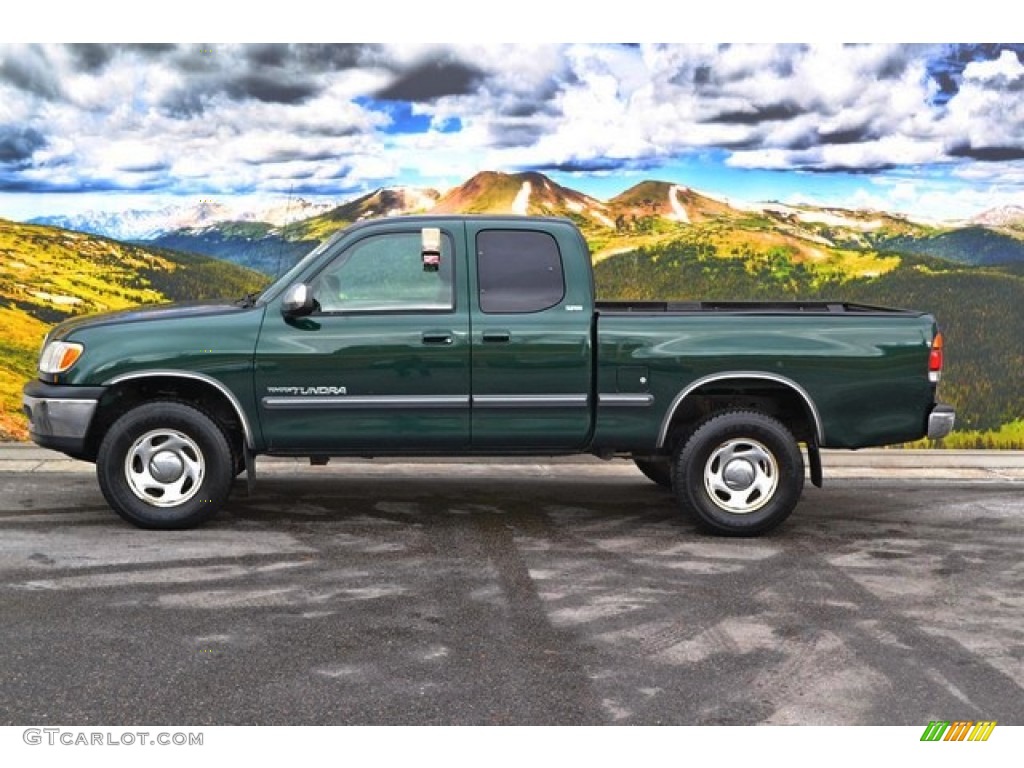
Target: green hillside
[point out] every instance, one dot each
(48, 274)
(251, 245)
(970, 245)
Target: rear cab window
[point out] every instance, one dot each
(519, 271)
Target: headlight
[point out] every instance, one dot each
(59, 356)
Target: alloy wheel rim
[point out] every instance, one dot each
(741, 476)
(164, 467)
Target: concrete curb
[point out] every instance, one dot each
(878, 464)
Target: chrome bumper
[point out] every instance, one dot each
(49, 417)
(940, 421)
(59, 416)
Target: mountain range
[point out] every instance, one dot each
(269, 239)
(151, 224)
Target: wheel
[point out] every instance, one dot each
(165, 465)
(658, 471)
(740, 473)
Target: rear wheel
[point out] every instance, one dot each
(740, 473)
(165, 465)
(656, 470)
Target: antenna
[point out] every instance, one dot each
(284, 227)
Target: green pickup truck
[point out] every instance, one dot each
(479, 335)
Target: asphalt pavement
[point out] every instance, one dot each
(516, 592)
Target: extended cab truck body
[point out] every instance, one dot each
(465, 335)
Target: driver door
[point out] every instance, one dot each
(382, 363)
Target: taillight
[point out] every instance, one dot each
(935, 360)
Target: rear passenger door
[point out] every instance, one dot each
(531, 340)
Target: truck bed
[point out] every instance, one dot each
(746, 307)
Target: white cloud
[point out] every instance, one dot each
(937, 201)
(238, 119)
(988, 111)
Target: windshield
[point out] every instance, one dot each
(288, 277)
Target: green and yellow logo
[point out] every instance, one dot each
(958, 730)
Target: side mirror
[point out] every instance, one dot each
(297, 301)
(430, 238)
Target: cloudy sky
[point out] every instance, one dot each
(932, 130)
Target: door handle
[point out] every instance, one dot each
(497, 337)
(444, 338)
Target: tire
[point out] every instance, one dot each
(165, 465)
(657, 471)
(740, 473)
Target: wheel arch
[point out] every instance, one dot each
(128, 390)
(768, 392)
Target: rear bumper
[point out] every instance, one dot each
(941, 421)
(59, 416)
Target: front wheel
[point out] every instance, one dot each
(740, 473)
(165, 465)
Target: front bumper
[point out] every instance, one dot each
(940, 421)
(59, 416)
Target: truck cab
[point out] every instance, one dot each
(490, 348)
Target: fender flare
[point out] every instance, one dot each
(819, 429)
(219, 386)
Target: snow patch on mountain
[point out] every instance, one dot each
(678, 210)
(828, 218)
(522, 202)
(1003, 216)
(419, 199)
(288, 212)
